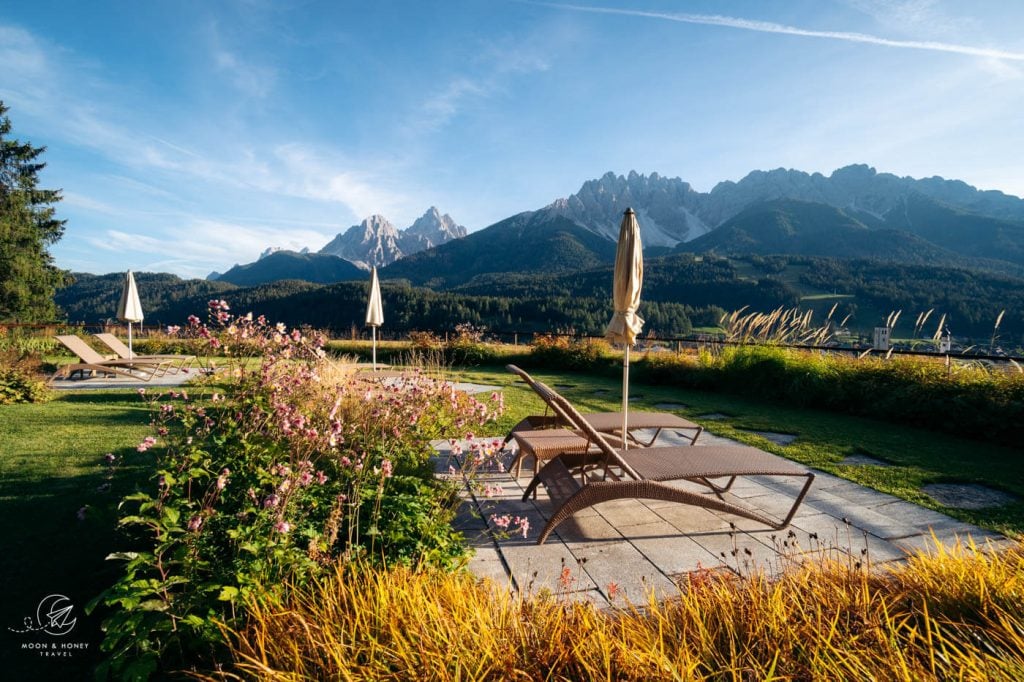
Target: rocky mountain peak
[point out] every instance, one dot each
(433, 228)
(376, 242)
(663, 206)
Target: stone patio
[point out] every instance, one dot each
(644, 547)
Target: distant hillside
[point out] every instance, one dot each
(679, 290)
(281, 265)
(787, 226)
(696, 282)
(966, 233)
(528, 242)
(94, 298)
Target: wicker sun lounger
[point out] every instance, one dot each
(606, 422)
(576, 479)
(175, 363)
(93, 362)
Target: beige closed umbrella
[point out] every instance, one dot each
(129, 309)
(629, 278)
(374, 312)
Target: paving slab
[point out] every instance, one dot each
(967, 495)
(620, 563)
(778, 438)
(860, 459)
(645, 546)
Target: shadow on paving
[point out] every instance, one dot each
(630, 548)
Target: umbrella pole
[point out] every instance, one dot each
(131, 354)
(374, 328)
(625, 397)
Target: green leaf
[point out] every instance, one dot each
(228, 593)
(122, 556)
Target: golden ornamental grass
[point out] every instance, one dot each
(957, 613)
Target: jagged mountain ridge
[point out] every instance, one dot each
(671, 211)
(376, 242)
(952, 221)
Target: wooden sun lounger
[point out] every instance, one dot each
(175, 363)
(607, 422)
(575, 480)
(91, 361)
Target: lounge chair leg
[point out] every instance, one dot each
(799, 499)
(532, 488)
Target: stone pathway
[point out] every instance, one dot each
(644, 546)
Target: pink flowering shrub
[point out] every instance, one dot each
(269, 481)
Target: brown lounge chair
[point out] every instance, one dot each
(604, 422)
(176, 363)
(91, 361)
(577, 480)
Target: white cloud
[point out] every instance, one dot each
(196, 246)
(497, 64)
(919, 17)
(249, 78)
(771, 27)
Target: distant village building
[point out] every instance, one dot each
(945, 341)
(881, 341)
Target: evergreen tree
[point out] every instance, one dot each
(28, 277)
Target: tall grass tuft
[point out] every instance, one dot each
(780, 326)
(955, 613)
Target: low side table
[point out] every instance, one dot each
(546, 444)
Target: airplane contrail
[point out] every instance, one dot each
(770, 27)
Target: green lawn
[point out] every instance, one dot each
(51, 465)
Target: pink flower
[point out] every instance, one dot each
(386, 468)
(305, 479)
(321, 477)
(195, 522)
(282, 527)
(222, 480)
(271, 501)
(146, 444)
(109, 458)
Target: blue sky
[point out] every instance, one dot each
(190, 135)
